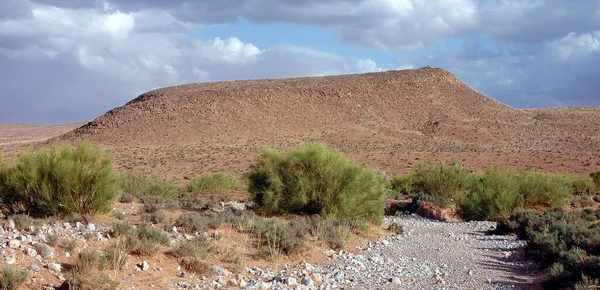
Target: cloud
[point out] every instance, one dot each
(63, 65)
(563, 72)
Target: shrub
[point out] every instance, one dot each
(313, 179)
(196, 265)
(52, 239)
(402, 186)
(127, 198)
(196, 248)
(143, 184)
(544, 188)
(397, 228)
(276, 237)
(442, 180)
(22, 221)
(154, 203)
(152, 234)
(418, 200)
(89, 260)
(198, 221)
(213, 183)
(61, 181)
(595, 176)
(583, 186)
(116, 255)
(11, 278)
(493, 196)
(69, 245)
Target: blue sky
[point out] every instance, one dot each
(73, 60)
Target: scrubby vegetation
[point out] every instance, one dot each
(212, 183)
(11, 278)
(441, 180)
(138, 185)
(566, 244)
(314, 179)
(60, 181)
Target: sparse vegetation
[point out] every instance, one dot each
(60, 181)
(212, 183)
(12, 278)
(314, 179)
(566, 244)
(595, 176)
(139, 185)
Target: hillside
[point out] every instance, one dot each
(390, 120)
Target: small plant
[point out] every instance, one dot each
(122, 229)
(397, 228)
(314, 179)
(152, 234)
(196, 248)
(11, 278)
(22, 221)
(119, 215)
(212, 183)
(52, 239)
(88, 260)
(199, 222)
(196, 265)
(116, 255)
(127, 198)
(596, 178)
(44, 250)
(276, 237)
(141, 185)
(153, 203)
(69, 245)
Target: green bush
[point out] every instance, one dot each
(583, 186)
(212, 183)
(313, 179)
(595, 176)
(442, 180)
(402, 186)
(566, 244)
(61, 181)
(544, 188)
(494, 195)
(11, 278)
(144, 185)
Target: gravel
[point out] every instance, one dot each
(436, 255)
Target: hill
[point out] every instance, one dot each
(390, 120)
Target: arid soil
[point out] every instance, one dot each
(391, 121)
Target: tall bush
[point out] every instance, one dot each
(494, 195)
(140, 185)
(544, 188)
(314, 179)
(449, 181)
(61, 181)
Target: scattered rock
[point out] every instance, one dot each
(91, 227)
(9, 225)
(290, 281)
(396, 281)
(307, 281)
(10, 260)
(55, 267)
(14, 243)
(1, 231)
(34, 268)
(31, 252)
(144, 266)
(220, 271)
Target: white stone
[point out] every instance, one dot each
(396, 281)
(14, 243)
(10, 260)
(31, 252)
(145, 266)
(91, 227)
(291, 281)
(54, 267)
(9, 225)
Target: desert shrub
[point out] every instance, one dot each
(449, 181)
(156, 217)
(195, 248)
(61, 181)
(127, 198)
(544, 188)
(198, 221)
(22, 221)
(566, 244)
(276, 237)
(11, 278)
(595, 176)
(417, 201)
(122, 229)
(89, 260)
(153, 203)
(145, 240)
(152, 234)
(493, 196)
(213, 183)
(144, 184)
(336, 232)
(196, 265)
(52, 239)
(397, 228)
(116, 255)
(313, 179)
(81, 281)
(583, 186)
(69, 245)
(402, 186)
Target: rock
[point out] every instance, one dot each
(10, 225)
(307, 282)
(31, 252)
(78, 225)
(144, 266)
(290, 281)
(14, 243)
(181, 274)
(242, 283)
(174, 229)
(10, 260)
(220, 271)
(91, 227)
(1, 231)
(318, 278)
(55, 267)
(34, 268)
(396, 281)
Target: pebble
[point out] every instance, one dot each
(34, 268)
(54, 267)
(14, 243)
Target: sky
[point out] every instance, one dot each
(73, 60)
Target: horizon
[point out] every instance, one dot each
(72, 61)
